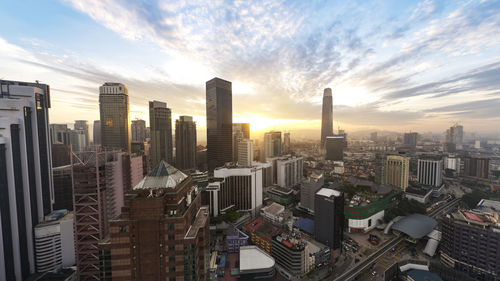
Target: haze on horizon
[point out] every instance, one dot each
(392, 65)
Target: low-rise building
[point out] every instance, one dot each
(291, 253)
(273, 213)
(261, 233)
(281, 195)
(235, 239)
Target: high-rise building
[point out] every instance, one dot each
(410, 139)
(238, 187)
(219, 100)
(308, 189)
(380, 160)
(185, 143)
(114, 110)
(162, 233)
(78, 140)
(82, 126)
(289, 171)
(55, 242)
(160, 124)
(240, 131)
(455, 135)
(334, 146)
(245, 152)
(286, 143)
(63, 188)
(26, 185)
(97, 132)
(329, 217)
(397, 171)
(326, 116)
(477, 167)
(429, 172)
(61, 154)
(374, 136)
(272, 144)
(59, 133)
(138, 130)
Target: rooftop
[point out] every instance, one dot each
(282, 190)
(291, 240)
(199, 222)
(163, 175)
(416, 225)
(274, 209)
(253, 259)
(422, 275)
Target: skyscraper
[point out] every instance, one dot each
(185, 143)
(138, 130)
(410, 139)
(160, 123)
(82, 126)
(397, 171)
(286, 143)
(329, 217)
(59, 133)
(245, 152)
(455, 135)
(219, 122)
(114, 109)
(272, 144)
(240, 131)
(429, 172)
(327, 116)
(334, 146)
(26, 188)
(97, 132)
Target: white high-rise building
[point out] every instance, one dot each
(429, 172)
(25, 174)
(245, 152)
(289, 171)
(272, 144)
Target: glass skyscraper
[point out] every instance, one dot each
(114, 109)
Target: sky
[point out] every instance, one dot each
(393, 65)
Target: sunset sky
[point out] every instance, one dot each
(393, 65)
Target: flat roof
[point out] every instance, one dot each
(253, 259)
(327, 192)
(416, 225)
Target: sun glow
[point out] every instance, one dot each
(262, 124)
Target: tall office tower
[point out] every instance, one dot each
(308, 189)
(162, 233)
(185, 143)
(334, 146)
(289, 171)
(374, 136)
(237, 187)
(329, 217)
(63, 188)
(61, 154)
(59, 133)
(397, 171)
(410, 140)
(245, 152)
(455, 135)
(470, 241)
(272, 145)
(326, 116)
(286, 143)
(26, 186)
(477, 167)
(114, 109)
(78, 140)
(83, 127)
(380, 160)
(160, 123)
(240, 131)
(138, 130)
(429, 172)
(55, 242)
(219, 123)
(97, 132)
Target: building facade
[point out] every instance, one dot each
(289, 171)
(397, 171)
(82, 127)
(245, 152)
(329, 217)
(430, 172)
(410, 140)
(160, 124)
(326, 116)
(308, 189)
(291, 253)
(477, 167)
(334, 146)
(59, 133)
(114, 110)
(240, 131)
(97, 132)
(63, 188)
(272, 144)
(185, 143)
(138, 130)
(286, 143)
(219, 99)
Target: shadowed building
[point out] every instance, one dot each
(272, 145)
(138, 130)
(114, 109)
(326, 116)
(160, 124)
(329, 217)
(219, 122)
(185, 143)
(97, 132)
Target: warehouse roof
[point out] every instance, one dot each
(416, 225)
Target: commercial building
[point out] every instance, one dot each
(61, 154)
(237, 187)
(255, 264)
(162, 232)
(286, 143)
(114, 110)
(326, 116)
(97, 132)
(245, 152)
(430, 172)
(452, 162)
(185, 143)
(55, 242)
(261, 233)
(334, 146)
(291, 253)
(397, 171)
(477, 167)
(138, 130)
(63, 188)
(78, 140)
(308, 188)
(240, 131)
(160, 124)
(272, 144)
(329, 217)
(82, 127)
(455, 135)
(471, 241)
(273, 213)
(25, 173)
(219, 99)
(281, 195)
(59, 133)
(410, 140)
(289, 171)
(235, 239)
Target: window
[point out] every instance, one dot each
(171, 247)
(171, 226)
(171, 258)
(172, 269)
(171, 237)
(171, 279)
(122, 228)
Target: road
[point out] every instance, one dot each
(369, 261)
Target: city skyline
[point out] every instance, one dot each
(428, 64)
